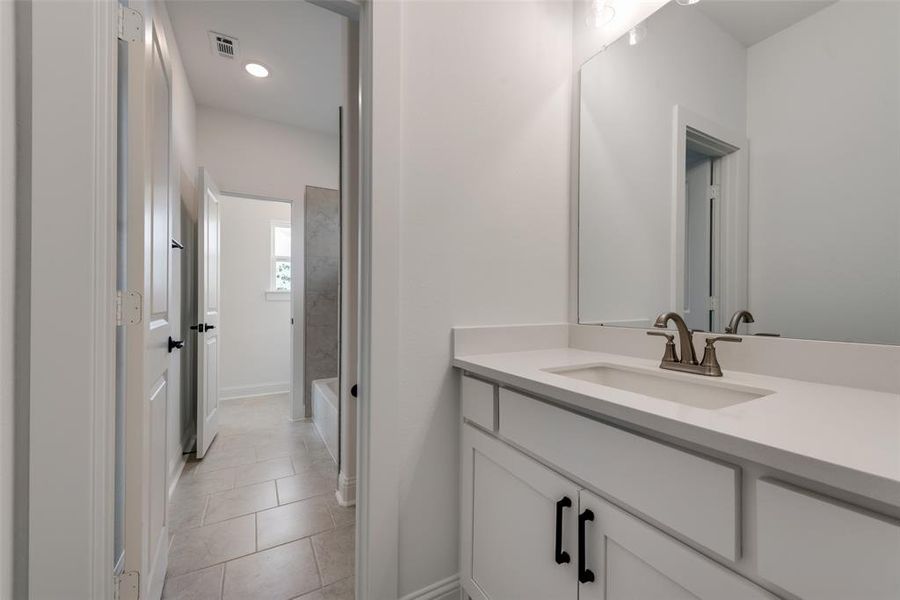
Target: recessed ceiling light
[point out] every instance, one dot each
(256, 69)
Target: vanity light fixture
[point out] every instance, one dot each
(600, 12)
(637, 34)
(256, 69)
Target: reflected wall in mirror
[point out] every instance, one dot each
(745, 155)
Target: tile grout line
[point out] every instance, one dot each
(316, 560)
(309, 537)
(222, 585)
(205, 508)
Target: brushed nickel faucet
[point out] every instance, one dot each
(736, 318)
(708, 366)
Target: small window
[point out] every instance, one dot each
(281, 257)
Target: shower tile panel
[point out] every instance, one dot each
(322, 248)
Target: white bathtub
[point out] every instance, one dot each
(325, 412)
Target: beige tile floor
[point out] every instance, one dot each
(257, 517)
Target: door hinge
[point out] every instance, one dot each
(130, 25)
(129, 307)
(128, 586)
(712, 303)
(713, 191)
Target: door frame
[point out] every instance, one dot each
(70, 469)
(65, 367)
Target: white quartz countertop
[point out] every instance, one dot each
(844, 437)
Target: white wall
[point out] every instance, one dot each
(825, 224)
(255, 332)
(7, 287)
(473, 116)
(627, 148)
(262, 158)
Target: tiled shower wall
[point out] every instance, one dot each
(322, 258)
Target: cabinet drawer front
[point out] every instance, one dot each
(817, 548)
(478, 402)
(694, 496)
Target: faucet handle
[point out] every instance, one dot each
(670, 355)
(710, 362)
(670, 337)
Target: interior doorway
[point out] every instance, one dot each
(257, 264)
(90, 109)
(260, 172)
(709, 235)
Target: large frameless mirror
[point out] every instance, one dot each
(740, 164)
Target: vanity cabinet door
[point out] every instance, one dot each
(630, 559)
(510, 508)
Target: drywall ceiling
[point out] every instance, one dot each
(752, 21)
(300, 44)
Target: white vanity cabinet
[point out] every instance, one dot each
(522, 526)
(556, 505)
(509, 510)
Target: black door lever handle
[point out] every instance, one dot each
(175, 344)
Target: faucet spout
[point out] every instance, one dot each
(741, 315)
(685, 337)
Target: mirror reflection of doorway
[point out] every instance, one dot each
(700, 232)
(703, 230)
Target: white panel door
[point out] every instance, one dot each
(629, 559)
(208, 289)
(513, 509)
(151, 196)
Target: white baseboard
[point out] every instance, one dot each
(250, 391)
(445, 589)
(346, 492)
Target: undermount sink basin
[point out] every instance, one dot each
(665, 386)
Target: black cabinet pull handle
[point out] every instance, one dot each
(562, 557)
(177, 245)
(198, 327)
(175, 344)
(584, 575)
(208, 327)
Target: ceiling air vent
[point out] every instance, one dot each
(225, 46)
